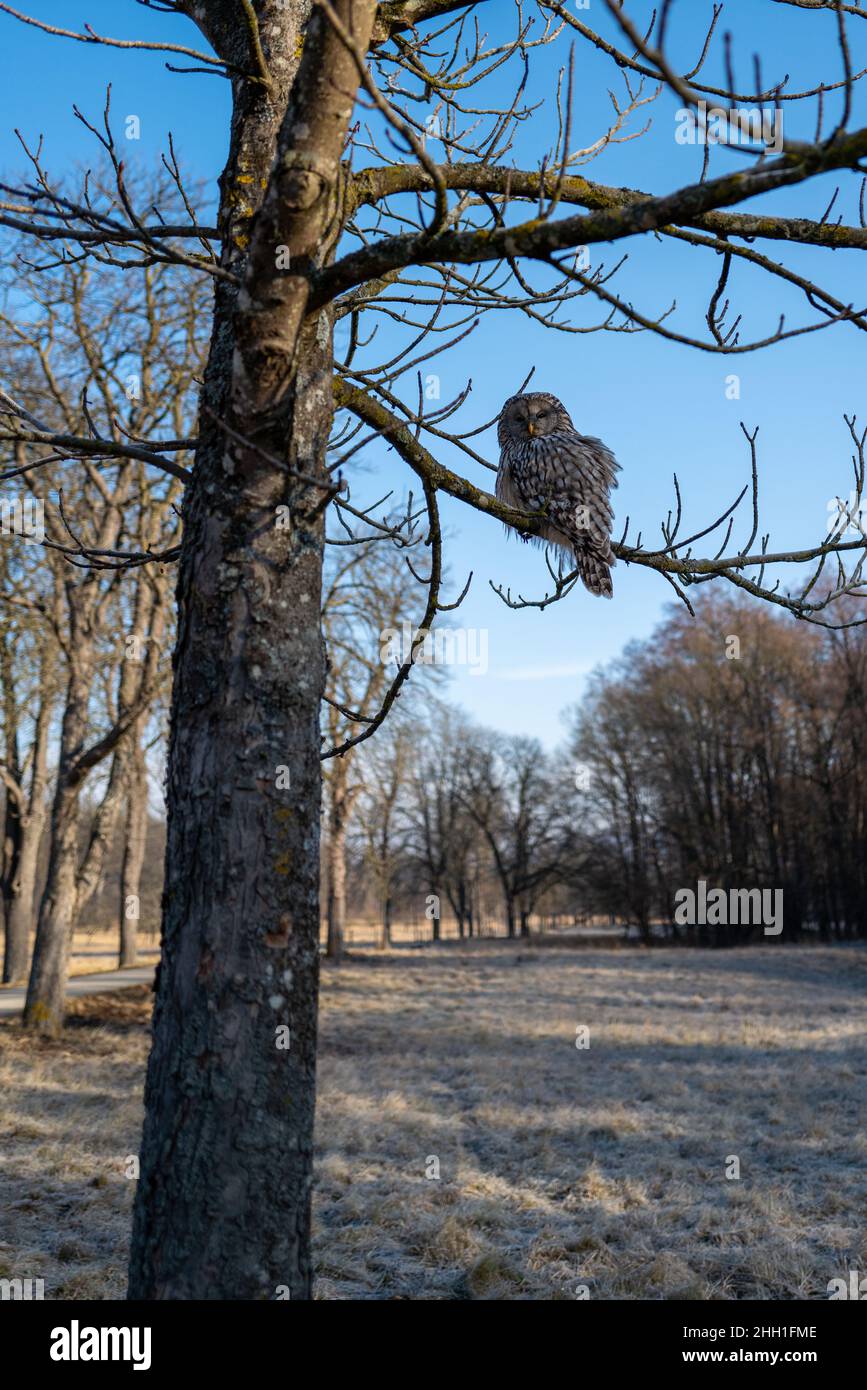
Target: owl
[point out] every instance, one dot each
(545, 464)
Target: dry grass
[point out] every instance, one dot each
(558, 1167)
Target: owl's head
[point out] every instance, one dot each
(532, 416)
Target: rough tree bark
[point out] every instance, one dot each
(223, 1203)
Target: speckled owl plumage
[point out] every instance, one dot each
(545, 464)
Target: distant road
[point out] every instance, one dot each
(12, 1000)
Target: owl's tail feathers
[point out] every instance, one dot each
(595, 572)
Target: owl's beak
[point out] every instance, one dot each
(531, 429)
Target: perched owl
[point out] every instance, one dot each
(545, 464)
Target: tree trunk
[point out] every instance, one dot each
(223, 1202)
(46, 990)
(13, 841)
(336, 883)
(387, 909)
(339, 801)
(222, 1207)
(462, 912)
(135, 840)
(102, 831)
(20, 921)
(14, 809)
(19, 917)
(67, 885)
(135, 675)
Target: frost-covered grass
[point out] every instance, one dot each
(558, 1167)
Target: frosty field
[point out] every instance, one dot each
(561, 1169)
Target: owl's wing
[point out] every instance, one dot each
(584, 472)
(600, 460)
(505, 490)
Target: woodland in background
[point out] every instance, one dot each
(683, 761)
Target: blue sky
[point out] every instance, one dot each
(660, 406)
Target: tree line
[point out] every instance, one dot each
(726, 749)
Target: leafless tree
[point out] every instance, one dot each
(385, 770)
(444, 838)
(509, 790)
(428, 241)
(92, 362)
